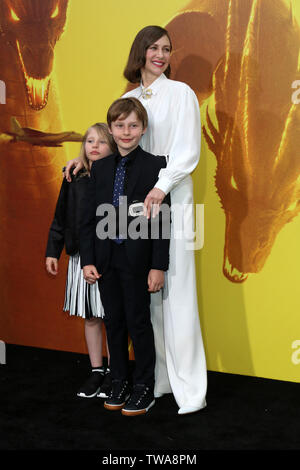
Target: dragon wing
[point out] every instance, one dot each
(15, 127)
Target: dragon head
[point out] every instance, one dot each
(253, 218)
(32, 27)
(256, 139)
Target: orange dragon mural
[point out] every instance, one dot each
(245, 52)
(30, 175)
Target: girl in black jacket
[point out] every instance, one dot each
(81, 298)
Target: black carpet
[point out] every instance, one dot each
(39, 410)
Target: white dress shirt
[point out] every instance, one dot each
(174, 128)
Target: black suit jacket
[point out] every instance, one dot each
(143, 254)
(64, 230)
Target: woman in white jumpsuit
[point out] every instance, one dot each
(174, 130)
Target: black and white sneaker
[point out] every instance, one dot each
(91, 387)
(141, 400)
(118, 395)
(105, 388)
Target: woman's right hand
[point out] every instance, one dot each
(77, 164)
(52, 265)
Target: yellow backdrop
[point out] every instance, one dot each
(249, 328)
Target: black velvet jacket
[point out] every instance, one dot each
(64, 230)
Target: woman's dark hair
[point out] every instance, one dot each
(137, 56)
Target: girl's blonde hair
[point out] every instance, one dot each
(102, 130)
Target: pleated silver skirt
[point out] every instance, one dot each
(81, 299)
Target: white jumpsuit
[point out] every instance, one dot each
(174, 130)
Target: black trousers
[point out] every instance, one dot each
(126, 303)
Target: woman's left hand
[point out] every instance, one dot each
(153, 201)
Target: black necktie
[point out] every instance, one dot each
(119, 181)
(119, 188)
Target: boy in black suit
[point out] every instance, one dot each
(127, 268)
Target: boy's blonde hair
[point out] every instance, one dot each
(102, 130)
